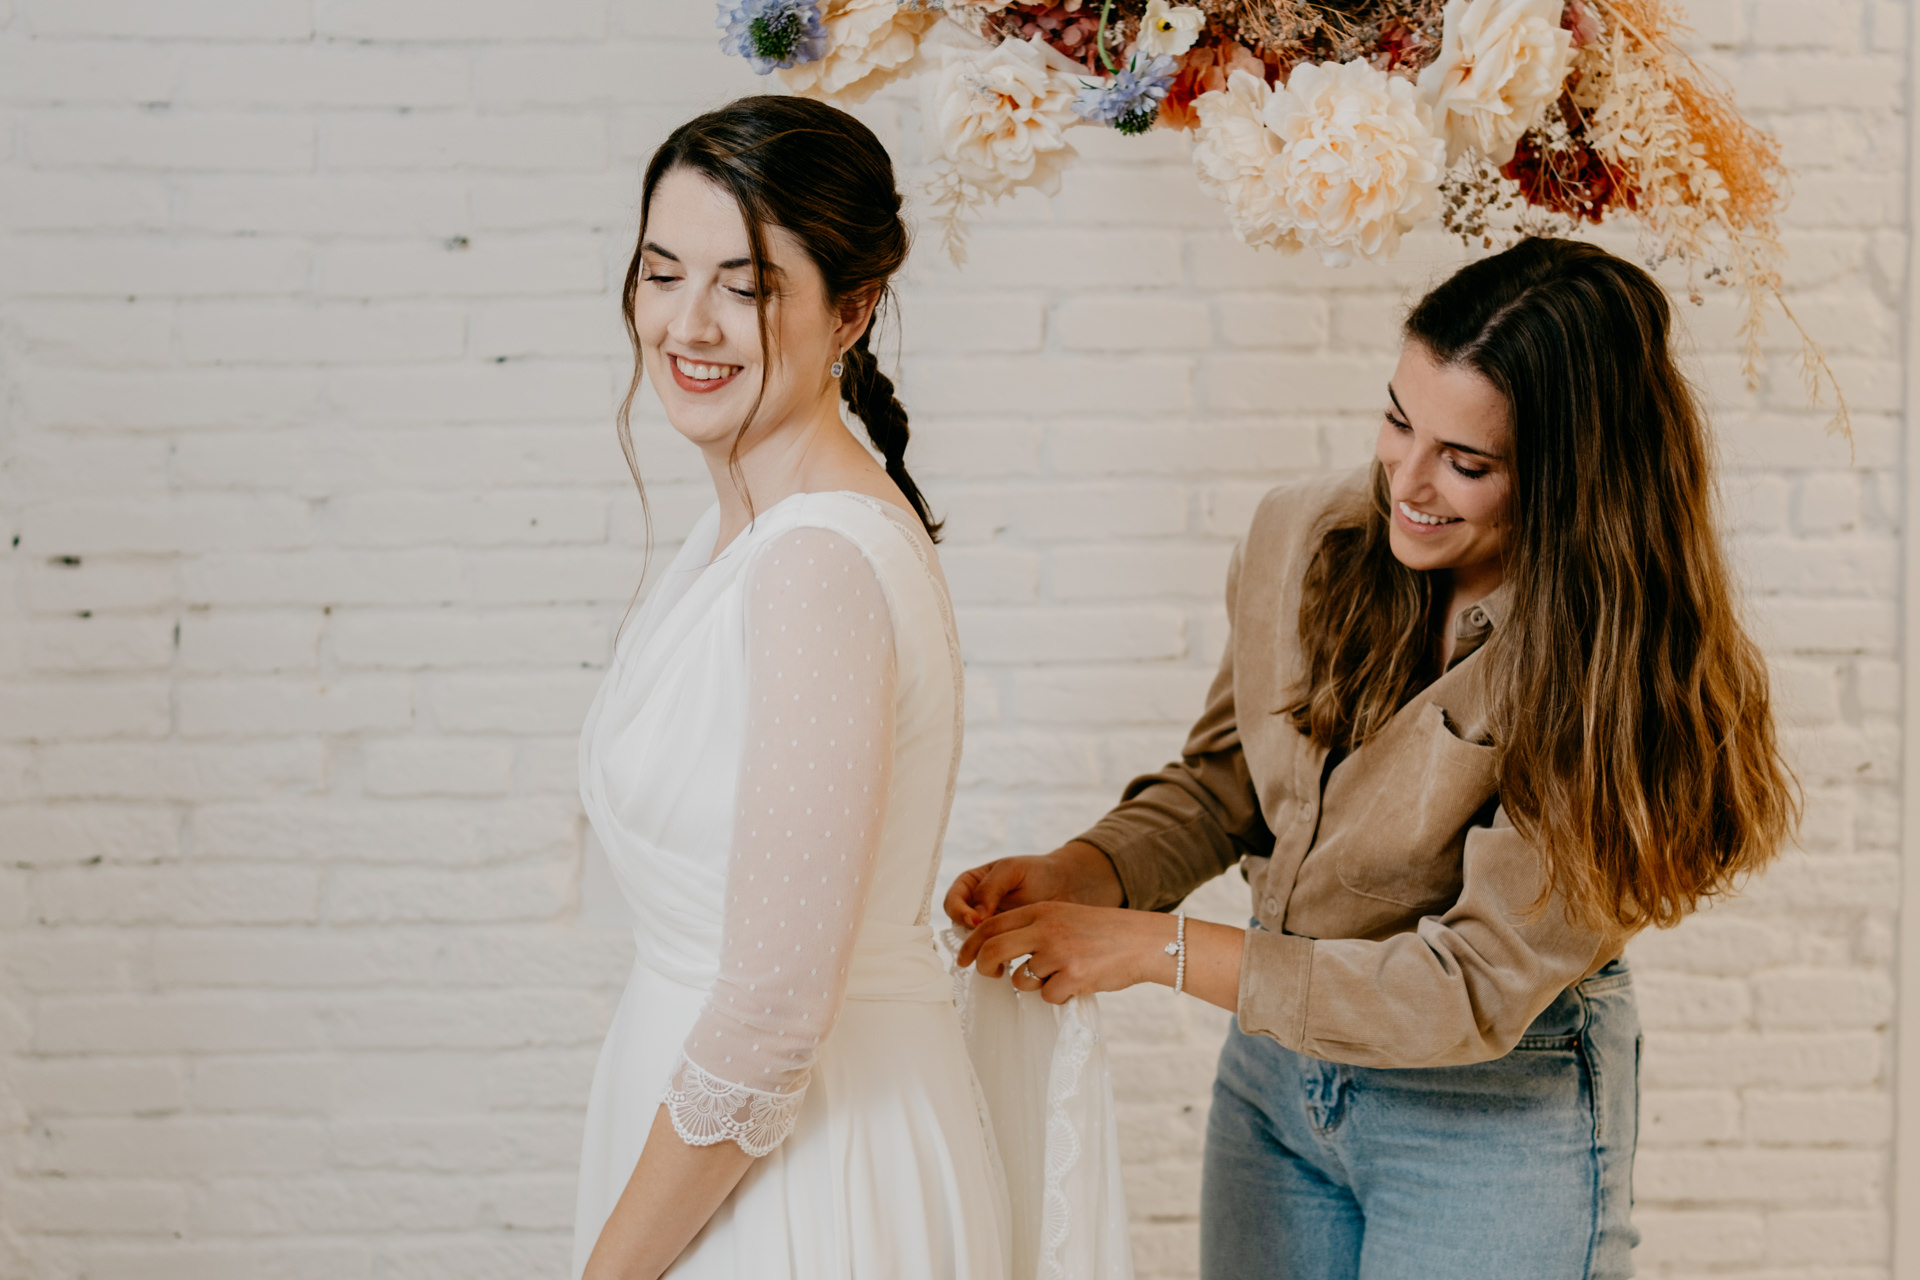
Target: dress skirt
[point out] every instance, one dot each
(888, 1173)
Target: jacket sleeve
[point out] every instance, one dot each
(1460, 987)
(1175, 829)
(808, 815)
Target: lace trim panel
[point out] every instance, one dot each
(1064, 1141)
(706, 1110)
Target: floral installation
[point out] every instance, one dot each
(1501, 62)
(869, 44)
(1130, 101)
(774, 34)
(1000, 123)
(1333, 125)
(1343, 156)
(1168, 29)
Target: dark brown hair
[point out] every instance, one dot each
(1631, 713)
(822, 175)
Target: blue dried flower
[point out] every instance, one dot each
(1130, 101)
(773, 33)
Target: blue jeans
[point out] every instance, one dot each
(1515, 1169)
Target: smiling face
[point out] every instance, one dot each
(1447, 451)
(695, 315)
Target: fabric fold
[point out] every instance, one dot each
(1048, 1094)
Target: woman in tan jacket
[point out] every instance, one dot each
(1487, 709)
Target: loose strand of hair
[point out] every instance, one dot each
(623, 418)
(756, 220)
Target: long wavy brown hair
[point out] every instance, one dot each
(1631, 716)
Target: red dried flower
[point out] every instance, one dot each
(1556, 168)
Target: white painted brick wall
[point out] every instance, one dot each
(318, 534)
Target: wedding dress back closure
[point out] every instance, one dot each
(769, 766)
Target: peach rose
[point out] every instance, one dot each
(1501, 62)
(869, 43)
(1342, 158)
(1002, 117)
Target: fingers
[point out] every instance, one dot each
(978, 891)
(984, 932)
(1007, 938)
(1038, 978)
(1000, 882)
(1056, 949)
(959, 900)
(1025, 977)
(970, 949)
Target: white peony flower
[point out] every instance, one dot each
(1002, 116)
(1232, 152)
(1168, 28)
(1349, 164)
(1501, 63)
(869, 43)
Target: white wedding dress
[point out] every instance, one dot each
(769, 766)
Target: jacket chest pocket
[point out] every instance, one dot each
(1399, 820)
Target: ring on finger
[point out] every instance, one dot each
(1027, 969)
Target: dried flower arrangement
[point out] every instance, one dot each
(1335, 125)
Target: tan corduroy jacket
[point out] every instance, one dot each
(1397, 902)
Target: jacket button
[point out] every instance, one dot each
(1270, 906)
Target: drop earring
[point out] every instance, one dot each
(837, 368)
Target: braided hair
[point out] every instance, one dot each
(821, 175)
(869, 393)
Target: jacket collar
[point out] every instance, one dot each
(1476, 622)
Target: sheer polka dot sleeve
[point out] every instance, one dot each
(807, 822)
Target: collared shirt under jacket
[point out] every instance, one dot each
(1401, 915)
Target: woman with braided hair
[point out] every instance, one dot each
(785, 1092)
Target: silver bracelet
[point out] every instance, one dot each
(1178, 950)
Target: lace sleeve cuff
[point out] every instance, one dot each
(706, 1109)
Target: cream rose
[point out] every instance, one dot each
(869, 43)
(1353, 160)
(1002, 117)
(1168, 28)
(1232, 152)
(1501, 62)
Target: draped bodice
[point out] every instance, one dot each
(662, 746)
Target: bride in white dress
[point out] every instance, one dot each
(785, 1091)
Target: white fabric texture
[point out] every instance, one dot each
(1045, 1084)
(811, 801)
(769, 766)
(824, 1034)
